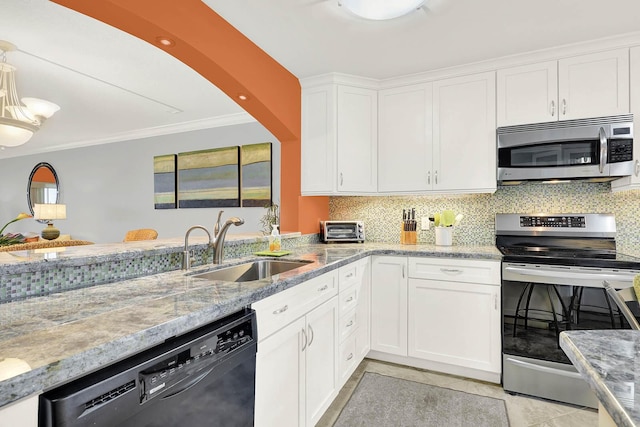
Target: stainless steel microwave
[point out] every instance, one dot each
(341, 231)
(598, 149)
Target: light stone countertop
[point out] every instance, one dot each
(609, 360)
(66, 335)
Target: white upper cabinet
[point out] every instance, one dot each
(633, 181)
(528, 94)
(405, 140)
(339, 140)
(464, 134)
(590, 85)
(357, 140)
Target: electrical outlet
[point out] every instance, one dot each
(424, 223)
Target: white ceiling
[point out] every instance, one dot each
(112, 86)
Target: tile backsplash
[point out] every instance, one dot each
(383, 214)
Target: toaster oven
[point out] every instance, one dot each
(341, 231)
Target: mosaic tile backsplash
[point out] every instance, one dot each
(383, 215)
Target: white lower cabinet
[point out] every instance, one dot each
(354, 302)
(443, 314)
(389, 304)
(23, 413)
(296, 364)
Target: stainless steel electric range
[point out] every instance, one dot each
(553, 268)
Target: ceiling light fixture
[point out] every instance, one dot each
(380, 9)
(19, 118)
(164, 41)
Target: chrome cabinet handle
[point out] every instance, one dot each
(341, 179)
(451, 270)
(349, 275)
(350, 356)
(350, 324)
(403, 271)
(324, 288)
(436, 176)
(304, 334)
(603, 149)
(564, 107)
(429, 177)
(310, 335)
(349, 299)
(553, 108)
(281, 310)
(637, 168)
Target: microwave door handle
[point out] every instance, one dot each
(603, 149)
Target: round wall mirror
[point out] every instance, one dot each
(43, 186)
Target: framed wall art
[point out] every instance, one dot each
(256, 175)
(164, 181)
(209, 178)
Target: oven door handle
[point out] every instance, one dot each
(573, 275)
(545, 369)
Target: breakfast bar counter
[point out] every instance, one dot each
(609, 360)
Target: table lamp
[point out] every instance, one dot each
(49, 212)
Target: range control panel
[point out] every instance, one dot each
(553, 221)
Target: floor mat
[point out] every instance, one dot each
(383, 401)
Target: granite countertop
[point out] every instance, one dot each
(609, 360)
(66, 335)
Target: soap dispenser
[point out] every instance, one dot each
(274, 239)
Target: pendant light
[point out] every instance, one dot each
(19, 118)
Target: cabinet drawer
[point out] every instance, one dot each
(347, 325)
(348, 359)
(348, 276)
(456, 270)
(276, 311)
(348, 300)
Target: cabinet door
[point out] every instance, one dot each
(321, 360)
(363, 314)
(594, 85)
(389, 304)
(468, 323)
(318, 152)
(279, 378)
(633, 182)
(357, 140)
(527, 94)
(464, 133)
(405, 138)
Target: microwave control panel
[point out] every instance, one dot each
(620, 150)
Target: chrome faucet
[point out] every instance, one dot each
(186, 254)
(219, 234)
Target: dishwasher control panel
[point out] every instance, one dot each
(187, 365)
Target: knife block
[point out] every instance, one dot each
(408, 237)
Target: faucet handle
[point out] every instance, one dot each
(216, 227)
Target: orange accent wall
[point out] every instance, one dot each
(220, 53)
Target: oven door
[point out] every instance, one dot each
(539, 302)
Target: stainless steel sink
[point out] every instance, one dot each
(256, 270)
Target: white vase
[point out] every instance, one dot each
(444, 236)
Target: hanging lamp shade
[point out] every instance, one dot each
(19, 119)
(381, 9)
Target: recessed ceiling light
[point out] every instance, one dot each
(380, 9)
(242, 97)
(165, 41)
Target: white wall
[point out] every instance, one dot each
(108, 189)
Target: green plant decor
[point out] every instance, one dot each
(271, 217)
(12, 238)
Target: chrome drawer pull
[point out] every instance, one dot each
(324, 288)
(349, 299)
(350, 324)
(304, 334)
(349, 275)
(310, 335)
(281, 310)
(451, 270)
(350, 356)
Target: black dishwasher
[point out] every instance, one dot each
(203, 378)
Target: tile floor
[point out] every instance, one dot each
(522, 411)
